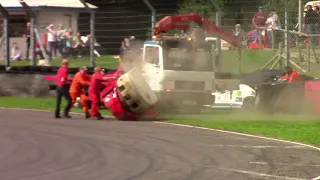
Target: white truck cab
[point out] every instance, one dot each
(182, 76)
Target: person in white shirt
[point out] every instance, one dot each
(273, 23)
(52, 41)
(239, 33)
(270, 23)
(15, 53)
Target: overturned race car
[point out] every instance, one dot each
(128, 98)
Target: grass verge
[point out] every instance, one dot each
(103, 61)
(37, 103)
(300, 128)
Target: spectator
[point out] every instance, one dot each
(78, 44)
(258, 20)
(69, 40)
(311, 23)
(270, 24)
(38, 51)
(61, 32)
(276, 19)
(52, 40)
(123, 49)
(239, 33)
(15, 53)
(26, 35)
(317, 10)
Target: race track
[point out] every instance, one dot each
(34, 146)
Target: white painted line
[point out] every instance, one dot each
(262, 175)
(287, 164)
(242, 134)
(197, 127)
(259, 147)
(316, 178)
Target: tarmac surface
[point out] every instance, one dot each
(34, 146)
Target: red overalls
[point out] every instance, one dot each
(293, 77)
(94, 94)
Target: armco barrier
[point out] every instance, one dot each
(24, 85)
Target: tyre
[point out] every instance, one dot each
(249, 103)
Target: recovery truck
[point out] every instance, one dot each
(180, 70)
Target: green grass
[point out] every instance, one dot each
(251, 60)
(103, 61)
(296, 130)
(301, 128)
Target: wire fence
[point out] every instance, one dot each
(282, 38)
(114, 23)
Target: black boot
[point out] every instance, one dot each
(67, 116)
(98, 118)
(87, 115)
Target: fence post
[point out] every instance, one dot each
(308, 57)
(218, 44)
(5, 15)
(92, 32)
(32, 17)
(153, 15)
(300, 20)
(260, 38)
(287, 33)
(273, 40)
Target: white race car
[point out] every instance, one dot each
(244, 97)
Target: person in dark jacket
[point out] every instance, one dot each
(311, 19)
(63, 90)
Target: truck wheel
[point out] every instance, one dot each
(249, 103)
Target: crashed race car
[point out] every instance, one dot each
(128, 98)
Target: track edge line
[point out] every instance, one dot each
(242, 134)
(196, 127)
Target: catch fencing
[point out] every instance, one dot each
(291, 41)
(122, 19)
(264, 47)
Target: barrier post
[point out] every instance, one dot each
(5, 15)
(218, 44)
(153, 14)
(32, 16)
(287, 33)
(92, 32)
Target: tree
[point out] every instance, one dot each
(201, 7)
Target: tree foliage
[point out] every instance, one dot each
(202, 7)
(234, 8)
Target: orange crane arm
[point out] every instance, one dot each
(170, 22)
